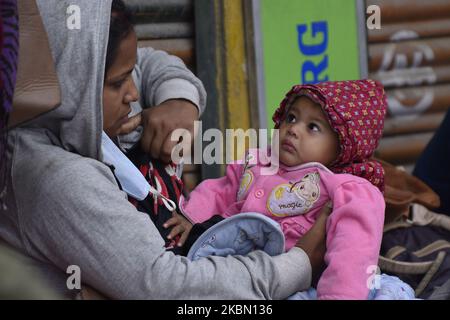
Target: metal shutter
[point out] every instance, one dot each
(410, 55)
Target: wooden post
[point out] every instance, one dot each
(222, 66)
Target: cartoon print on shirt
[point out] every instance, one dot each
(291, 199)
(308, 188)
(246, 181)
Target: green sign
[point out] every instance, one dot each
(306, 41)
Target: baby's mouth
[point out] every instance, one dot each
(288, 146)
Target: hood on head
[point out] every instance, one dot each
(78, 35)
(355, 110)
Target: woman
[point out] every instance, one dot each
(65, 206)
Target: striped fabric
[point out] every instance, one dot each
(9, 47)
(10, 50)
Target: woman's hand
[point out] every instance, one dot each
(314, 243)
(159, 122)
(180, 226)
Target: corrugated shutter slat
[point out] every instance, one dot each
(410, 55)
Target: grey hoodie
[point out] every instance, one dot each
(65, 208)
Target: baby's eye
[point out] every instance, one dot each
(313, 127)
(290, 118)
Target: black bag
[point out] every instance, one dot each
(417, 250)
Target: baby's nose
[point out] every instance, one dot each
(293, 130)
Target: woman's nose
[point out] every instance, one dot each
(133, 94)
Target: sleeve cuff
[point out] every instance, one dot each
(178, 89)
(295, 273)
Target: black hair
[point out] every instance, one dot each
(121, 26)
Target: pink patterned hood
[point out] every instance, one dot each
(356, 111)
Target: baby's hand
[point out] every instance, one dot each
(180, 226)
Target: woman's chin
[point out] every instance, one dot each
(112, 132)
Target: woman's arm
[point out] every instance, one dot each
(89, 222)
(162, 77)
(176, 96)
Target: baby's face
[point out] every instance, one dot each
(306, 135)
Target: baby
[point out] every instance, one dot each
(328, 132)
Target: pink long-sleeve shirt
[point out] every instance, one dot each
(293, 197)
